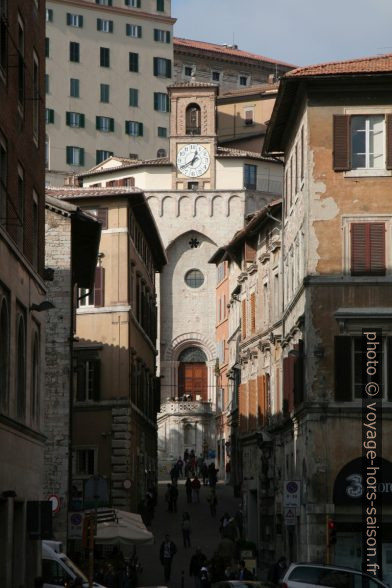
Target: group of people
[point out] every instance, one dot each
(194, 466)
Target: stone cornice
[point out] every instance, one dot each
(134, 13)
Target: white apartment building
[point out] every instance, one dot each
(108, 65)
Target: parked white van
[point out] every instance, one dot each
(57, 569)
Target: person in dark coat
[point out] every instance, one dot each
(198, 559)
(204, 473)
(277, 570)
(188, 490)
(166, 553)
(174, 496)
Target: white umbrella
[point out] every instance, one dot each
(127, 528)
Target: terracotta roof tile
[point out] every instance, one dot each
(73, 192)
(230, 152)
(376, 64)
(179, 43)
(194, 84)
(259, 89)
(125, 164)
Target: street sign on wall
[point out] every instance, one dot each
(290, 516)
(75, 525)
(291, 493)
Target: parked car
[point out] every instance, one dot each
(308, 575)
(58, 570)
(242, 584)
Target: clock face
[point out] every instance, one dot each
(193, 160)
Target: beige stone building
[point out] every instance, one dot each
(108, 65)
(198, 195)
(225, 65)
(116, 396)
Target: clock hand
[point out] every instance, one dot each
(190, 162)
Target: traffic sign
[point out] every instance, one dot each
(291, 493)
(56, 504)
(290, 516)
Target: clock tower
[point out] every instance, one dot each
(193, 135)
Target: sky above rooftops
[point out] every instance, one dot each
(301, 32)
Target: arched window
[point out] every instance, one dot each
(161, 153)
(34, 402)
(193, 118)
(21, 370)
(4, 355)
(192, 355)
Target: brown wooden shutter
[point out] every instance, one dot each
(367, 249)
(243, 319)
(96, 379)
(288, 384)
(341, 142)
(102, 217)
(249, 252)
(253, 312)
(388, 130)
(299, 374)
(99, 286)
(343, 378)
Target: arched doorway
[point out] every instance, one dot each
(192, 375)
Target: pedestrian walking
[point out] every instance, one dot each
(196, 489)
(277, 570)
(204, 578)
(166, 553)
(212, 501)
(188, 490)
(180, 465)
(186, 529)
(198, 559)
(174, 497)
(169, 498)
(186, 455)
(224, 521)
(212, 474)
(204, 473)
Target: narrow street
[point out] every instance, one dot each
(205, 534)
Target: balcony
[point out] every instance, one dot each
(171, 406)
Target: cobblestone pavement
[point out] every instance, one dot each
(205, 534)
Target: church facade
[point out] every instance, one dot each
(199, 196)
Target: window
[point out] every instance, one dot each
(161, 102)
(104, 124)
(215, 76)
(21, 368)
(74, 119)
(367, 249)
(349, 364)
(220, 272)
(250, 176)
(134, 62)
(101, 155)
(4, 353)
(74, 20)
(47, 47)
(47, 84)
(253, 312)
(74, 52)
(3, 180)
(134, 128)
(367, 142)
(104, 92)
(3, 37)
(133, 3)
(85, 458)
(161, 36)
(35, 381)
(21, 63)
(194, 278)
(162, 132)
(134, 156)
(362, 142)
(193, 119)
(133, 97)
(249, 117)
(49, 15)
(160, 5)
(162, 67)
(132, 30)
(243, 81)
(21, 206)
(88, 379)
(188, 71)
(75, 155)
(193, 185)
(161, 153)
(104, 57)
(36, 100)
(96, 295)
(104, 2)
(105, 26)
(74, 88)
(49, 115)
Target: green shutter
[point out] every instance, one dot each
(110, 26)
(139, 32)
(81, 121)
(138, 4)
(68, 18)
(99, 24)
(51, 115)
(156, 35)
(81, 21)
(168, 68)
(81, 156)
(67, 118)
(167, 36)
(140, 133)
(127, 127)
(97, 122)
(155, 66)
(111, 124)
(156, 98)
(69, 155)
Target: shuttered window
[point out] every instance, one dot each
(249, 252)
(99, 287)
(367, 249)
(162, 67)
(288, 384)
(88, 381)
(253, 312)
(134, 62)
(243, 319)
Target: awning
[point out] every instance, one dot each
(126, 528)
